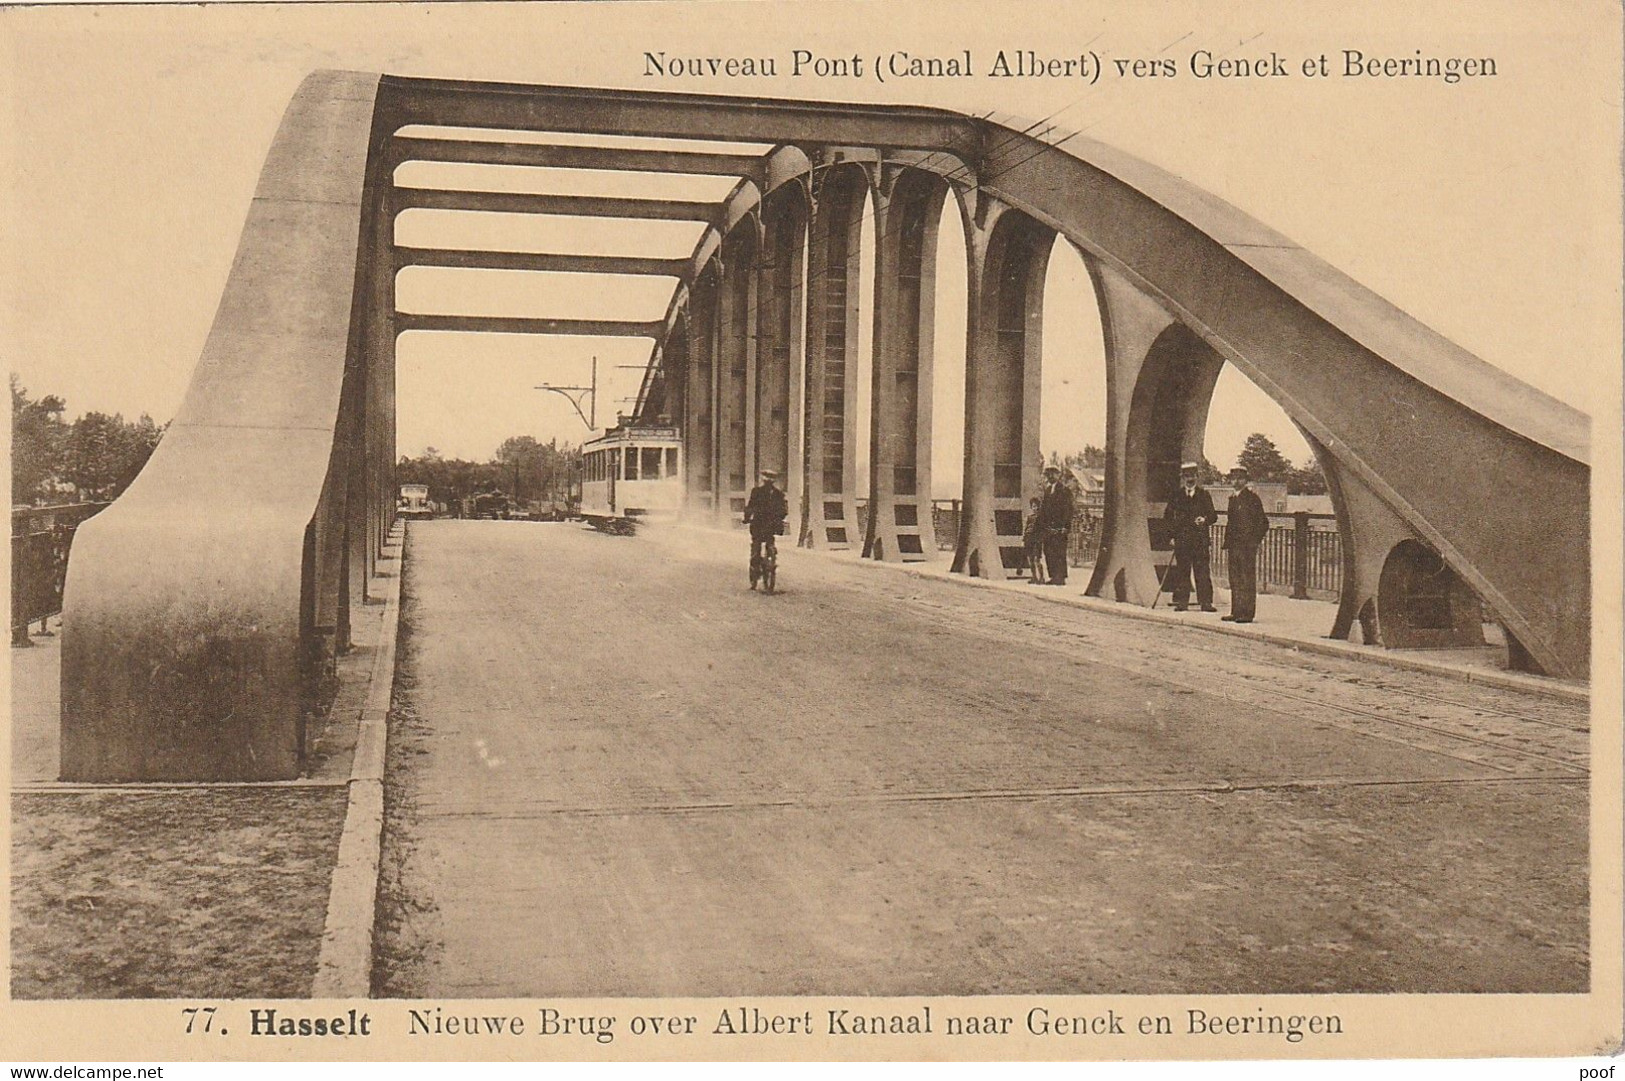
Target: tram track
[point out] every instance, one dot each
(526, 810)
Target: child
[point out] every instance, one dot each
(1033, 538)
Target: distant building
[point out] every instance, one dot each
(1272, 493)
(1091, 486)
(1310, 504)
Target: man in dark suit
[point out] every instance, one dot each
(1246, 525)
(1054, 523)
(1187, 517)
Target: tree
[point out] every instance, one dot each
(37, 437)
(93, 459)
(102, 454)
(1090, 457)
(1306, 480)
(1263, 460)
(521, 467)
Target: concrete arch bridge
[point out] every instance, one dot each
(276, 478)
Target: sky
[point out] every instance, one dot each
(1488, 208)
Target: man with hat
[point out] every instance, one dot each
(1187, 517)
(1246, 525)
(1054, 523)
(765, 512)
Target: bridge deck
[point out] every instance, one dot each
(615, 771)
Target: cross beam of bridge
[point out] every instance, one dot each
(497, 324)
(539, 261)
(408, 148)
(590, 206)
(659, 115)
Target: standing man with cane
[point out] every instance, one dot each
(1188, 515)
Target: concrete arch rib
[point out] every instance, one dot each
(1394, 403)
(188, 614)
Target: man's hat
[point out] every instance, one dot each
(1052, 469)
(771, 474)
(1188, 467)
(1237, 473)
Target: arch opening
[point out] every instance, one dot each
(736, 340)
(1072, 399)
(835, 346)
(1002, 392)
(1422, 603)
(948, 376)
(901, 526)
(780, 372)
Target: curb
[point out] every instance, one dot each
(344, 967)
(1328, 647)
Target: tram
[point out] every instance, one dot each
(630, 474)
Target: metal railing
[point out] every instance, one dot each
(1301, 555)
(40, 540)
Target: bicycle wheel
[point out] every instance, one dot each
(770, 569)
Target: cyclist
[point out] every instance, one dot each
(765, 513)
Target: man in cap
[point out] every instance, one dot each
(1054, 523)
(765, 512)
(1187, 517)
(1246, 525)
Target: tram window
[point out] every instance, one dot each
(615, 463)
(671, 461)
(631, 463)
(651, 463)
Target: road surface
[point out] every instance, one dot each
(614, 770)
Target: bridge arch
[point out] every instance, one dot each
(298, 371)
(777, 394)
(1167, 399)
(909, 205)
(1009, 255)
(840, 198)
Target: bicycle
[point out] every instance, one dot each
(764, 568)
(770, 566)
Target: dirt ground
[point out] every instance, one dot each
(194, 893)
(615, 771)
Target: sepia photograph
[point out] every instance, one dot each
(746, 530)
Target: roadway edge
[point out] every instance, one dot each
(344, 967)
(1329, 647)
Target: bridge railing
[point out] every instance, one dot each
(1082, 540)
(1301, 556)
(40, 540)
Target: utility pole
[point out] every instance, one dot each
(576, 395)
